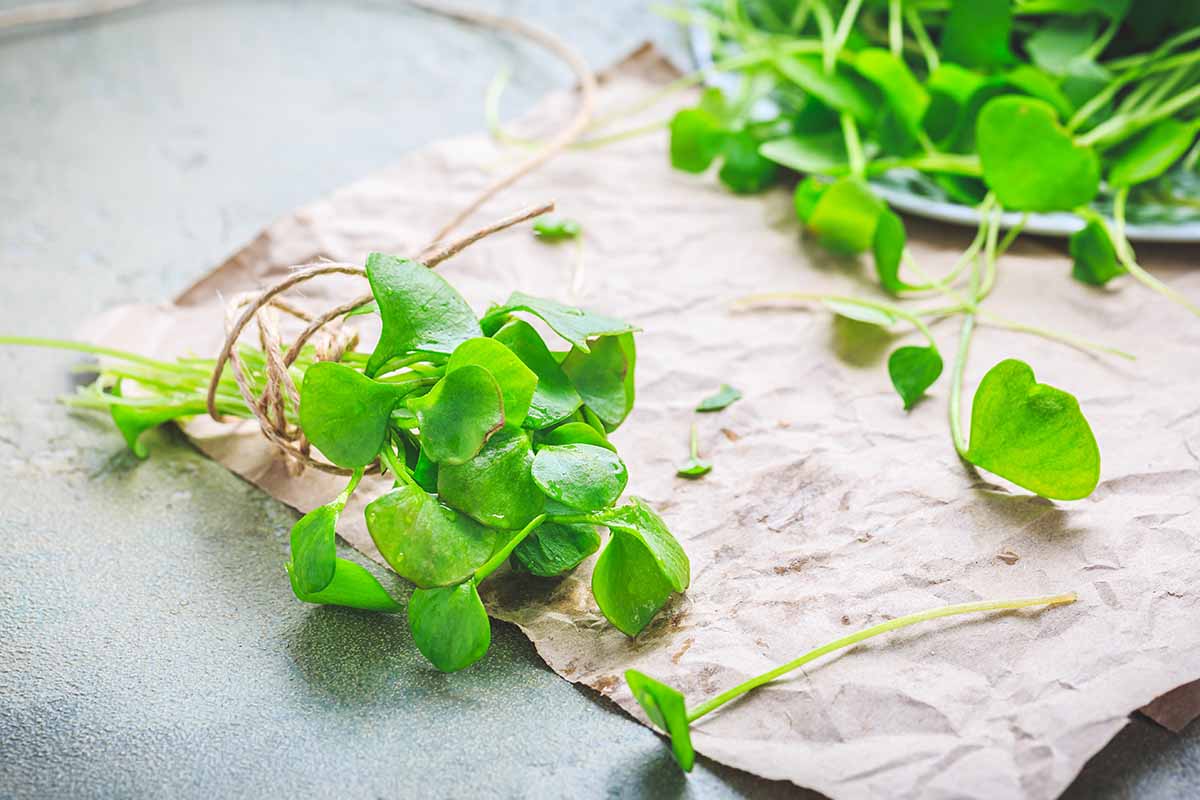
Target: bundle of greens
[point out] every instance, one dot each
(497, 444)
(1031, 106)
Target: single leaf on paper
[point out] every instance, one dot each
(845, 216)
(314, 549)
(421, 312)
(449, 625)
(1151, 153)
(517, 382)
(548, 229)
(424, 541)
(344, 413)
(720, 399)
(576, 325)
(1032, 434)
(458, 415)
(351, 586)
(604, 377)
(744, 170)
(554, 398)
(666, 708)
(495, 487)
(580, 476)
(976, 33)
(888, 247)
(1030, 161)
(555, 548)
(1094, 257)
(694, 467)
(913, 370)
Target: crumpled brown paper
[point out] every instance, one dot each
(829, 508)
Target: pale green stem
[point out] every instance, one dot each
(800, 15)
(709, 706)
(340, 502)
(1126, 257)
(1102, 41)
(398, 470)
(811, 297)
(1047, 333)
(695, 443)
(1116, 129)
(501, 555)
(895, 28)
(90, 349)
(825, 25)
(858, 161)
(849, 14)
(956, 384)
(923, 41)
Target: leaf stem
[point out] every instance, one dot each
(340, 501)
(89, 349)
(956, 384)
(503, 553)
(854, 149)
(889, 308)
(895, 28)
(849, 14)
(932, 61)
(1126, 257)
(709, 706)
(695, 443)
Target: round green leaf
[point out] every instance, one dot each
(449, 625)
(1030, 161)
(424, 541)
(604, 377)
(344, 413)
(1094, 257)
(496, 487)
(845, 216)
(666, 708)
(351, 586)
(913, 370)
(517, 381)
(628, 584)
(1151, 153)
(555, 548)
(314, 548)
(458, 415)
(696, 139)
(1032, 434)
(555, 398)
(577, 433)
(581, 476)
(976, 33)
(744, 170)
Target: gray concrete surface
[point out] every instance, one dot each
(149, 645)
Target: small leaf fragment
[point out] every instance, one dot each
(976, 33)
(722, 398)
(577, 433)
(1094, 257)
(548, 229)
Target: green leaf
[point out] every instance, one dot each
(861, 313)
(604, 377)
(555, 548)
(1095, 257)
(458, 415)
(809, 153)
(554, 398)
(697, 137)
(425, 472)
(421, 312)
(842, 89)
(694, 467)
(888, 247)
(449, 625)
(744, 170)
(722, 398)
(363, 310)
(976, 33)
(351, 586)
(845, 216)
(548, 229)
(808, 194)
(134, 420)
(1032, 434)
(496, 487)
(1029, 161)
(345, 414)
(906, 96)
(950, 89)
(577, 433)
(667, 709)
(1055, 45)
(581, 476)
(314, 549)
(641, 567)
(517, 381)
(424, 541)
(576, 325)
(1151, 153)
(913, 370)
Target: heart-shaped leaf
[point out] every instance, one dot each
(667, 709)
(845, 216)
(581, 476)
(421, 312)
(449, 625)
(913, 370)
(1094, 257)
(555, 548)
(424, 541)
(976, 33)
(577, 433)
(1032, 434)
(604, 377)
(554, 398)
(888, 247)
(458, 415)
(697, 137)
(351, 586)
(344, 413)
(576, 325)
(642, 566)
(1030, 161)
(496, 487)
(1151, 153)
(517, 381)
(314, 549)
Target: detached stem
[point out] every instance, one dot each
(867, 633)
(496, 560)
(1126, 257)
(889, 308)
